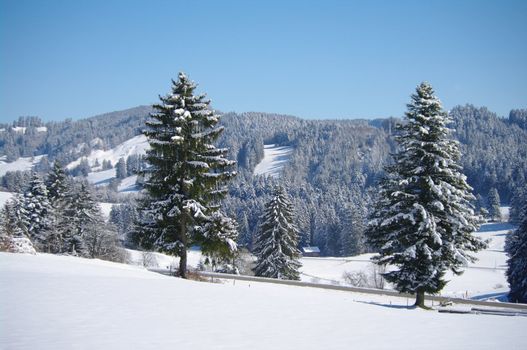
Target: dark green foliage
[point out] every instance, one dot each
(423, 220)
(277, 240)
(516, 248)
(186, 177)
(493, 205)
(120, 169)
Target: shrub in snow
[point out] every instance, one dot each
(20, 245)
(423, 221)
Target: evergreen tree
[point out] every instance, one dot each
(82, 215)
(56, 184)
(123, 217)
(120, 169)
(185, 180)
(516, 248)
(353, 233)
(34, 213)
(277, 239)
(423, 221)
(518, 202)
(493, 205)
(9, 224)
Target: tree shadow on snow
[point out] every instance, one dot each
(410, 306)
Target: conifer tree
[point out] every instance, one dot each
(56, 184)
(120, 169)
(493, 205)
(277, 239)
(34, 213)
(186, 176)
(423, 221)
(516, 248)
(58, 190)
(9, 224)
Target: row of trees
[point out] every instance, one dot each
(59, 216)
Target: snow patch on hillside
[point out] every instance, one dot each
(21, 164)
(4, 197)
(274, 160)
(135, 145)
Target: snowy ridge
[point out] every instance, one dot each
(274, 160)
(135, 145)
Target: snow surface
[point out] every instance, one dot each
(21, 164)
(62, 302)
(103, 178)
(4, 197)
(135, 145)
(481, 280)
(274, 160)
(106, 208)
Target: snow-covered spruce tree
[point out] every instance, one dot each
(516, 248)
(10, 230)
(493, 205)
(58, 191)
(423, 221)
(34, 213)
(186, 177)
(277, 239)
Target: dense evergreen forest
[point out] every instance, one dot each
(331, 174)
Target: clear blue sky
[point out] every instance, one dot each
(313, 59)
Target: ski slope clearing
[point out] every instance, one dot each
(274, 160)
(135, 145)
(60, 302)
(21, 164)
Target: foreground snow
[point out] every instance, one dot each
(274, 160)
(57, 302)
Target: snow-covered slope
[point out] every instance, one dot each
(60, 302)
(483, 279)
(21, 164)
(275, 158)
(4, 197)
(135, 145)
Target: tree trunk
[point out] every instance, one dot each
(183, 250)
(420, 299)
(183, 263)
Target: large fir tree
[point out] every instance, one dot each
(186, 176)
(516, 248)
(423, 222)
(277, 240)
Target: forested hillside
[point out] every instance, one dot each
(330, 176)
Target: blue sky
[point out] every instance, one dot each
(313, 59)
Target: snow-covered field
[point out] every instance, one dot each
(21, 164)
(275, 158)
(483, 279)
(59, 302)
(135, 145)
